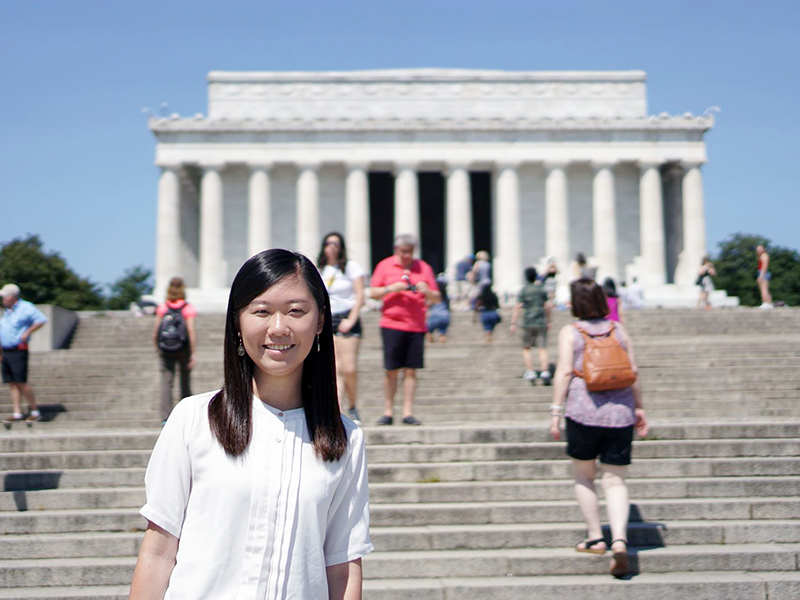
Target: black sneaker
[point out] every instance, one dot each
(384, 420)
(411, 420)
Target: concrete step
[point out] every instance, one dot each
(646, 586)
(550, 511)
(703, 585)
(453, 563)
(442, 537)
(41, 440)
(74, 478)
(782, 454)
(556, 561)
(436, 493)
(558, 535)
(71, 499)
(67, 521)
(523, 470)
(75, 545)
(562, 489)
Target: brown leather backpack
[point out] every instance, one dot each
(606, 365)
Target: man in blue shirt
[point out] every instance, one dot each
(20, 319)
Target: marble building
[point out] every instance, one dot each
(523, 164)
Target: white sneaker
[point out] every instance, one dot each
(545, 375)
(529, 376)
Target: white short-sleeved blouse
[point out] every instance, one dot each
(262, 525)
(341, 289)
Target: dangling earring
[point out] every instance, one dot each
(317, 342)
(240, 349)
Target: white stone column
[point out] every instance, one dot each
(458, 211)
(356, 215)
(259, 210)
(651, 226)
(557, 215)
(507, 264)
(307, 240)
(604, 221)
(168, 237)
(212, 275)
(406, 201)
(694, 225)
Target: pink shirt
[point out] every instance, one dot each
(188, 311)
(613, 309)
(404, 311)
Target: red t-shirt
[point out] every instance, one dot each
(404, 311)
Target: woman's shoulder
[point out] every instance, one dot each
(354, 433)
(192, 406)
(354, 269)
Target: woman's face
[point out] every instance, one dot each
(279, 326)
(333, 247)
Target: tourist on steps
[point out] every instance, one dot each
(344, 279)
(598, 424)
(259, 490)
(534, 309)
(439, 313)
(615, 310)
(486, 307)
(763, 277)
(706, 282)
(174, 337)
(20, 319)
(406, 285)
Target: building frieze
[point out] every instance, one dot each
(201, 124)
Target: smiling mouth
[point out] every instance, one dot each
(279, 347)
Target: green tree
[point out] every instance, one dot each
(45, 278)
(736, 270)
(136, 282)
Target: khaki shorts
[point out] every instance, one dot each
(533, 337)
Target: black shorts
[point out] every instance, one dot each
(15, 366)
(612, 444)
(355, 330)
(402, 349)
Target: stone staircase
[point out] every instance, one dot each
(475, 504)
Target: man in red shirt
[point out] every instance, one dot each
(406, 285)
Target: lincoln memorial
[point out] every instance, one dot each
(525, 165)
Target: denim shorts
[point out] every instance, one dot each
(489, 319)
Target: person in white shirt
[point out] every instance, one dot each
(634, 295)
(259, 490)
(344, 279)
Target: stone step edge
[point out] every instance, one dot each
(555, 553)
(425, 529)
(437, 506)
(760, 586)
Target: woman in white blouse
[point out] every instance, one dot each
(345, 282)
(259, 490)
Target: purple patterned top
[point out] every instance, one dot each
(613, 408)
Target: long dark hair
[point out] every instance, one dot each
(322, 260)
(610, 288)
(230, 412)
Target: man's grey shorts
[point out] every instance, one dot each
(533, 337)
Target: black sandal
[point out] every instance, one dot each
(619, 561)
(588, 546)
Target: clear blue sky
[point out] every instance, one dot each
(76, 157)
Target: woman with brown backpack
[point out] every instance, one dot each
(597, 390)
